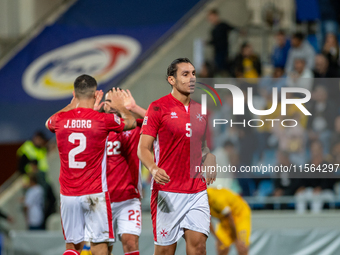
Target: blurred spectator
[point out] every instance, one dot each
(219, 40)
(328, 20)
(280, 51)
(323, 69)
(335, 138)
(206, 71)
(292, 140)
(301, 76)
(246, 135)
(223, 154)
(321, 122)
(331, 50)
(284, 185)
(277, 80)
(265, 131)
(34, 205)
(322, 74)
(300, 49)
(247, 64)
(317, 191)
(49, 197)
(225, 132)
(33, 150)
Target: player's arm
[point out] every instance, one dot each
(231, 222)
(130, 104)
(144, 153)
(117, 103)
(209, 159)
(69, 107)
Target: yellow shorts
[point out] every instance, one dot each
(243, 229)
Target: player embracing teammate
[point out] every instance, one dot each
(96, 201)
(81, 134)
(124, 176)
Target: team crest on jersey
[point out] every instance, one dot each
(199, 117)
(173, 115)
(127, 133)
(51, 76)
(117, 119)
(145, 120)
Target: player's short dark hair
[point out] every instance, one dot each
(85, 86)
(214, 12)
(172, 68)
(298, 35)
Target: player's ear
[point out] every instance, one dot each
(171, 80)
(73, 93)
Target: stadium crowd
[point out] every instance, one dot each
(294, 62)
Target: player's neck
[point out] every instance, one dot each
(84, 103)
(184, 99)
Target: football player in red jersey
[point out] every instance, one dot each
(124, 177)
(81, 134)
(179, 202)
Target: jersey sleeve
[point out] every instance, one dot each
(152, 120)
(114, 123)
(139, 122)
(52, 123)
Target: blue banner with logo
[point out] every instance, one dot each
(103, 38)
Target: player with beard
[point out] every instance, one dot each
(124, 177)
(179, 202)
(81, 134)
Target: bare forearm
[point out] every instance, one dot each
(139, 111)
(205, 150)
(145, 155)
(129, 120)
(232, 226)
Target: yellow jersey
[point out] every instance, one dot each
(223, 201)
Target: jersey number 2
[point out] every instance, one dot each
(72, 163)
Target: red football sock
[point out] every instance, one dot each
(72, 252)
(132, 253)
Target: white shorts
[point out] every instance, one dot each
(127, 217)
(172, 213)
(86, 218)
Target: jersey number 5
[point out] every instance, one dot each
(188, 128)
(72, 163)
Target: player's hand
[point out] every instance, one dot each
(210, 160)
(116, 97)
(160, 176)
(129, 101)
(99, 95)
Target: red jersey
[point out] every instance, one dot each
(123, 165)
(178, 144)
(81, 137)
